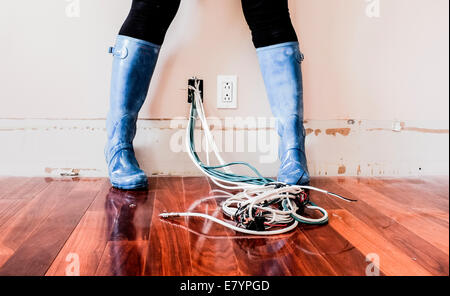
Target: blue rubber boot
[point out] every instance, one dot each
(281, 70)
(133, 65)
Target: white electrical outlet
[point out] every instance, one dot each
(227, 91)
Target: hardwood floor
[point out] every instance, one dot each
(62, 226)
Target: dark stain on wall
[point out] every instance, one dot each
(335, 131)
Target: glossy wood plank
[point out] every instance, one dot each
(15, 200)
(115, 215)
(9, 208)
(123, 258)
(426, 192)
(424, 253)
(340, 253)
(438, 185)
(28, 189)
(392, 261)
(416, 197)
(37, 252)
(9, 185)
(27, 219)
(417, 220)
(89, 239)
(211, 251)
(129, 214)
(169, 253)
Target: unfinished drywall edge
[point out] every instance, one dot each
(46, 147)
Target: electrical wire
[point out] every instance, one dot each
(228, 225)
(263, 206)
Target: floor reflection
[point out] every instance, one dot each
(121, 207)
(126, 247)
(206, 236)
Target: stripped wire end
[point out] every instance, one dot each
(169, 215)
(342, 197)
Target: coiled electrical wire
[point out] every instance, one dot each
(263, 206)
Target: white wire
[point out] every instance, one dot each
(230, 226)
(205, 125)
(252, 197)
(213, 178)
(207, 131)
(210, 139)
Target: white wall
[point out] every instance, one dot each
(376, 71)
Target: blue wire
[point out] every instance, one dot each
(213, 170)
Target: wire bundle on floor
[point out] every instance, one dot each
(263, 206)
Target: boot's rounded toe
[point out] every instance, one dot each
(292, 171)
(124, 171)
(137, 180)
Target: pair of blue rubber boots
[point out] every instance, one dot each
(133, 66)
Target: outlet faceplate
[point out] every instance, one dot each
(227, 91)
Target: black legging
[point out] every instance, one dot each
(269, 20)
